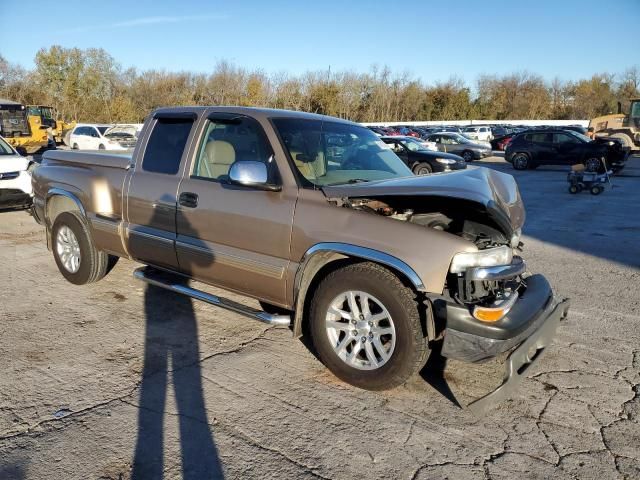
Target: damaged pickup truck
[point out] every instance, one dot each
(323, 224)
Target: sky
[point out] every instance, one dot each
(431, 40)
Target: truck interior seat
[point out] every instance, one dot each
(309, 169)
(217, 159)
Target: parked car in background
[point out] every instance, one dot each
(378, 131)
(475, 132)
(576, 128)
(420, 159)
(15, 179)
(498, 131)
(103, 137)
(460, 145)
(564, 147)
(501, 143)
(449, 128)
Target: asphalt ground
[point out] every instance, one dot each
(116, 380)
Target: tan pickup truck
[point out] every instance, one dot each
(321, 222)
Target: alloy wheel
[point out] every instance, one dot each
(360, 330)
(68, 249)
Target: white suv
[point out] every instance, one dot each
(482, 133)
(15, 179)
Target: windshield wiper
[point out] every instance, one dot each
(351, 180)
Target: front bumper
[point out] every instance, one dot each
(16, 191)
(471, 340)
(479, 154)
(528, 329)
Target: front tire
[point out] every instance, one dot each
(467, 155)
(592, 164)
(422, 168)
(74, 251)
(366, 327)
(74, 147)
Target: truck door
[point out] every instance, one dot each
(228, 235)
(153, 189)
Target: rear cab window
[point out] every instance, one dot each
(166, 145)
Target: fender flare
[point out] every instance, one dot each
(55, 191)
(321, 254)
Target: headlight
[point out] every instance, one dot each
(445, 161)
(482, 258)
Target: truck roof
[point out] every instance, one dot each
(256, 112)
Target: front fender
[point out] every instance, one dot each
(321, 254)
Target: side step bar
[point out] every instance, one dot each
(178, 284)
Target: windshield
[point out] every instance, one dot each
(459, 138)
(471, 129)
(102, 129)
(584, 138)
(413, 144)
(332, 153)
(5, 149)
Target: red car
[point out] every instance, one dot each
(501, 143)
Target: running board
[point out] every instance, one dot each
(178, 284)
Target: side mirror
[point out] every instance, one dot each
(253, 174)
(22, 151)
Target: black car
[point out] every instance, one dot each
(575, 128)
(563, 147)
(420, 159)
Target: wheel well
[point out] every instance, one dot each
(58, 204)
(335, 262)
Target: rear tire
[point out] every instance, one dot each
(520, 161)
(101, 147)
(91, 265)
(361, 353)
(422, 168)
(574, 189)
(74, 146)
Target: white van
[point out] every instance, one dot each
(482, 133)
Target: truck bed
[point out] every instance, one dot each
(98, 159)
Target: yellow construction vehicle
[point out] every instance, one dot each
(57, 128)
(626, 128)
(25, 133)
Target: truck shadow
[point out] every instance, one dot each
(172, 355)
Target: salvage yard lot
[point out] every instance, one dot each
(84, 380)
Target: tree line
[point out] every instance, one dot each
(90, 86)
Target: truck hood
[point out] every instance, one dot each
(497, 192)
(13, 163)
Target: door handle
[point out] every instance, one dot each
(188, 199)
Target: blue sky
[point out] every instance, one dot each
(431, 40)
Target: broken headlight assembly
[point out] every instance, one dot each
(488, 257)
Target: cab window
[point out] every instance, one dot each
(166, 145)
(228, 139)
